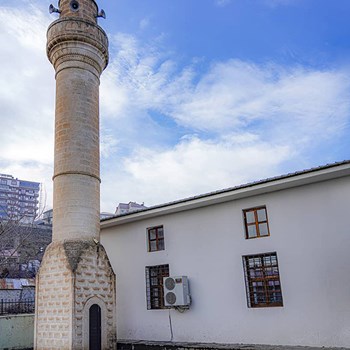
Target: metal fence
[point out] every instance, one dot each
(13, 307)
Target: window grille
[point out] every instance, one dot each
(262, 280)
(154, 286)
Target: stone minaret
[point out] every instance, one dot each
(75, 299)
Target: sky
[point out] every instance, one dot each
(199, 95)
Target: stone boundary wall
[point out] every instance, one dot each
(16, 332)
(148, 345)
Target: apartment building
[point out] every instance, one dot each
(19, 199)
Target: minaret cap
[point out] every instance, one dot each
(83, 9)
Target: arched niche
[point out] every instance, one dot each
(94, 307)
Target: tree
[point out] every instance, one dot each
(22, 245)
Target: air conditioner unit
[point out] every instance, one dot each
(176, 291)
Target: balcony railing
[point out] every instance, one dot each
(12, 307)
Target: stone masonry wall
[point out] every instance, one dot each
(76, 273)
(94, 284)
(78, 49)
(76, 174)
(54, 301)
(74, 276)
(88, 10)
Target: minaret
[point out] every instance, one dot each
(75, 295)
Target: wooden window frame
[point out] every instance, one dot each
(262, 280)
(154, 286)
(256, 222)
(159, 239)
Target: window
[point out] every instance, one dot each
(262, 280)
(255, 222)
(154, 286)
(155, 238)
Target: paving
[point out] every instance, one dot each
(147, 345)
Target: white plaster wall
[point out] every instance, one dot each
(16, 332)
(310, 233)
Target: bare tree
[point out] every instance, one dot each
(22, 244)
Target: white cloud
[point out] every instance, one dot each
(144, 23)
(108, 143)
(193, 167)
(26, 96)
(278, 113)
(236, 94)
(222, 3)
(230, 96)
(248, 119)
(275, 3)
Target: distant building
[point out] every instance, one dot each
(17, 289)
(19, 199)
(46, 218)
(105, 215)
(124, 208)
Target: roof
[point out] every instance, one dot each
(130, 205)
(16, 283)
(123, 205)
(298, 178)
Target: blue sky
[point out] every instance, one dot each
(199, 95)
